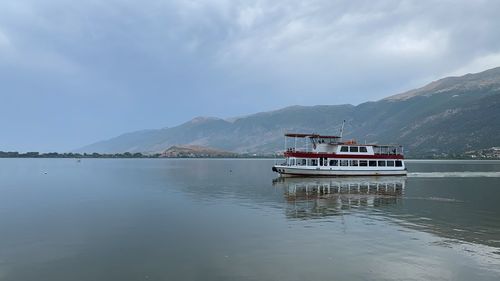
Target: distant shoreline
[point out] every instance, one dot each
(124, 155)
(128, 155)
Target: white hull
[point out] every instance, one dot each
(332, 172)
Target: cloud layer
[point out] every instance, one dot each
(75, 72)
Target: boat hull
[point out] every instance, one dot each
(290, 171)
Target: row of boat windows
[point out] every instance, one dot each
(345, 163)
(353, 149)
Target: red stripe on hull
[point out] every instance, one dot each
(347, 156)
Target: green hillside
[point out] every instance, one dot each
(449, 116)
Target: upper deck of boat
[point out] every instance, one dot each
(308, 154)
(325, 146)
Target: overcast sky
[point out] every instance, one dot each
(75, 72)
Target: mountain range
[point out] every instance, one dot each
(449, 116)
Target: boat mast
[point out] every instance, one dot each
(284, 150)
(342, 129)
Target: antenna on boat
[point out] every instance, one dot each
(342, 129)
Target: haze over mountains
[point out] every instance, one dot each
(449, 116)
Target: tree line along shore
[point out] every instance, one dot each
(15, 154)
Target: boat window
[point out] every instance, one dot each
(399, 163)
(381, 163)
(314, 162)
(344, 149)
(334, 162)
(363, 163)
(354, 163)
(324, 161)
(353, 149)
(344, 163)
(363, 149)
(390, 163)
(372, 163)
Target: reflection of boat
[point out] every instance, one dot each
(346, 185)
(330, 156)
(311, 197)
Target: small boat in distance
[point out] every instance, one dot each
(330, 156)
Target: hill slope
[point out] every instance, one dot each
(451, 115)
(195, 151)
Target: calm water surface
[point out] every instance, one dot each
(162, 219)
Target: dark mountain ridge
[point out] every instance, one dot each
(448, 116)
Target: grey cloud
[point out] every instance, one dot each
(94, 69)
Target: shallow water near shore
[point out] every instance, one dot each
(232, 219)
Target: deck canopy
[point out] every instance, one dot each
(315, 136)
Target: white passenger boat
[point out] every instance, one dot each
(330, 156)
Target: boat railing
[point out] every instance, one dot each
(388, 150)
(312, 153)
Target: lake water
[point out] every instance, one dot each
(166, 219)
